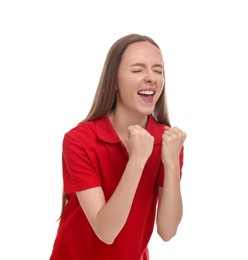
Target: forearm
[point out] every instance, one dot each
(170, 206)
(113, 215)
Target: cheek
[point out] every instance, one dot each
(160, 89)
(125, 94)
(126, 85)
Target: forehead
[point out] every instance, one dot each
(142, 52)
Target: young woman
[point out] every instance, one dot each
(121, 162)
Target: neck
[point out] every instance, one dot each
(121, 122)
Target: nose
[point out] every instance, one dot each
(149, 78)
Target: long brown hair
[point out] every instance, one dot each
(105, 96)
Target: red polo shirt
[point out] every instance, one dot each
(93, 156)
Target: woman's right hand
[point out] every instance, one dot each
(139, 143)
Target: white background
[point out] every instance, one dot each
(51, 56)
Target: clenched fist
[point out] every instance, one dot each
(173, 139)
(139, 143)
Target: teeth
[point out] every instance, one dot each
(146, 92)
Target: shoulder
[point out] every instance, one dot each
(81, 127)
(82, 132)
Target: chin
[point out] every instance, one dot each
(147, 112)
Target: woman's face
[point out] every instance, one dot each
(140, 78)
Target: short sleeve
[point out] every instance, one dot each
(161, 169)
(78, 170)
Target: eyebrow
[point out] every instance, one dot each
(143, 65)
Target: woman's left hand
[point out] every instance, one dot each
(173, 139)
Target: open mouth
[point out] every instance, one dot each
(146, 93)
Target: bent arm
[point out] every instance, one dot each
(170, 206)
(108, 218)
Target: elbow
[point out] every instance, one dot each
(107, 241)
(105, 237)
(166, 235)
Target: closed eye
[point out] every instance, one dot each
(158, 71)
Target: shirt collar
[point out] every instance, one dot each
(107, 133)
